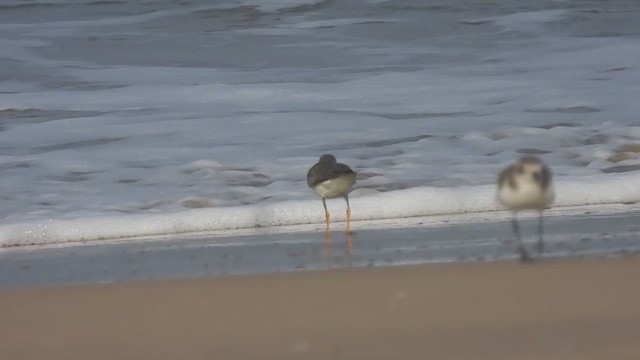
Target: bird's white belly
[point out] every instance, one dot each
(526, 196)
(337, 187)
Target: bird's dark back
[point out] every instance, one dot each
(320, 173)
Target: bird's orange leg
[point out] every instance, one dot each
(349, 244)
(346, 198)
(327, 219)
(327, 233)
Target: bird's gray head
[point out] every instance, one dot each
(327, 159)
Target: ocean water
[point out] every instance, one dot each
(124, 118)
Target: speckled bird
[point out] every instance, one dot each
(526, 185)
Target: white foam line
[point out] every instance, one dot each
(408, 203)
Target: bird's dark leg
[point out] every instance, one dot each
(349, 244)
(540, 244)
(524, 256)
(327, 218)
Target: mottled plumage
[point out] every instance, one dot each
(509, 174)
(526, 185)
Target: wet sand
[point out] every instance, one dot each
(562, 309)
(570, 233)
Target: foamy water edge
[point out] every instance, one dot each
(407, 203)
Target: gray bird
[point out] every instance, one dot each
(526, 185)
(331, 179)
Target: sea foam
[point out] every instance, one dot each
(407, 203)
(109, 142)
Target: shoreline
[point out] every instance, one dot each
(583, 234)
(99, 230)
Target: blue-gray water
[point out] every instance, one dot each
(584, 234)
(145, 107)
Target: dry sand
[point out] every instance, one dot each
(588, 309)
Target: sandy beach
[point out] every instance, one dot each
(564, 309)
